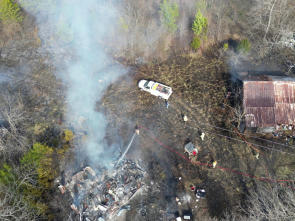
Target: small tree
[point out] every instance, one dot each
(225, 46)
(10, 11)
(200, 24)
(244, 46)
(40, 158)
(68, 135)
(270, 202)
(199, 28)
(169, 12)
(196, 43)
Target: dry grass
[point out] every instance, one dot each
(196, 82)
(9, 30)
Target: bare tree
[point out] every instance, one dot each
(12, 139)
(269, 18)
(13, 206)
(272, 19)
(266, 202)
(270, 202)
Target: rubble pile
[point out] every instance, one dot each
(103, 196)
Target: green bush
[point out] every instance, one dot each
(123, 24)
(200, 24)
(10, 11)
(68, 135)
(38, 164)
(225, 46)
(169, 12)
(199, 28)
(244, 46)
(6, 175)
(196, 43)
(40, 158)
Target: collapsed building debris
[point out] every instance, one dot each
(62, 189)
(105, 194)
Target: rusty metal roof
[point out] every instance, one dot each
(268, 103)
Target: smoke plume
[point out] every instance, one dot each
(74, 33)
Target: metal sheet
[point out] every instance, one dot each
(267, 103)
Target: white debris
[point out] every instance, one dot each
(90, 171)
(73, 207)
(186, 217)
(102, 208)
(62, 189)
(186, 198)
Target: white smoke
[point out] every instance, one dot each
(73, 32)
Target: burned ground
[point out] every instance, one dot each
(199, 89)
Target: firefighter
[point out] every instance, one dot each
(136, 130)
(201, 193)
(166, 103)
(202, 136)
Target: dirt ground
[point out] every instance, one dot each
(199, 89)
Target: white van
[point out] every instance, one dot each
(156, 89)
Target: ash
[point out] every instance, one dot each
(105, 194)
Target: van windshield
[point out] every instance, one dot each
(146, 84)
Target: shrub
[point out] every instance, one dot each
(123, 24)
(40, 158)
(10, 11)
(200, 24)
(196, 43)
(68, 135)
(244, 46)
(6, 175)
(169, 12)
(39, 128)
(34, 178)
(225, 46)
